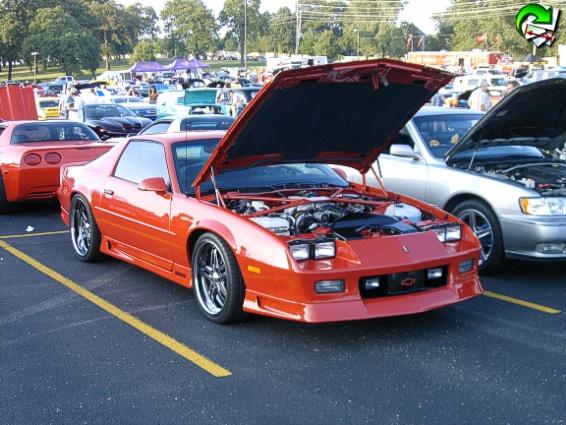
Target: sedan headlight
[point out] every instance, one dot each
(543, 206)
(316, 249)
(450, 232)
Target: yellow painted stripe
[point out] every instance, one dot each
(522, 303)
(29, 235)
(171, 343)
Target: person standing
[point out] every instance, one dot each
(153, 94)
(479, 99)
(76, 107)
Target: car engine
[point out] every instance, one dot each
(321, 215)
(547, 178)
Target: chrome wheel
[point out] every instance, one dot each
(210, 278)
(81, 229)
(480, 225)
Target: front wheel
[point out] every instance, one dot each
(217, 281)
(84, 231)
(483, 222)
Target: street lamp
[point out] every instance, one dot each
(34, 54)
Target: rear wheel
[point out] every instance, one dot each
(483, 222)
(84, 231)
(5, 206)
(217, 281)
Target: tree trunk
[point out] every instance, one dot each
(106, 52)
(10, 65)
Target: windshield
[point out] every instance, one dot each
(48, 103)
(194, 124)
(441, 132)
(52, 131)
(100, 111)
(497, 81)
(189, 158)
(127, 100)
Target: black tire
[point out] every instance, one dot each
(85, 236)
(219, 291)
(5, 206)
(493, 253)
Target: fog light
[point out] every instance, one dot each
(372, 283)
(433, 274)
(329, 286)
(466, 266)
(551, 248)
(300, 251)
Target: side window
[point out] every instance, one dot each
(158, 128)
(142, 160)
(403, 138)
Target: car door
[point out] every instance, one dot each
(405, 175)
(138, 222)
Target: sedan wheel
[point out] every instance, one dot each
(84, 231)
(485, 225)
(217, 280)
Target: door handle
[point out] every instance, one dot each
(108, 192)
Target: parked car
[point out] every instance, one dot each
(47, 107)
(136, 104)
(189, 123)
(254, 220)
(109, 120)
(31, 153)
(190, 101)
(505, 178)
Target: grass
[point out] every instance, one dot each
(23, 73)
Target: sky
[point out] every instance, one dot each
(418, 12)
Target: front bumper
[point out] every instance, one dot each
(522, 236)
(350, 305)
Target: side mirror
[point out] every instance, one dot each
(153, 184)
(404, 151)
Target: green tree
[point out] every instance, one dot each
(232, 17)
(390, 41)
(190, 26)
(327, 44)
(144, 51)
(107, 15)
(280, 36)
(57, 35)
(14, 23)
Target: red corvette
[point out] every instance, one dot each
(32, 152)
(266, 227)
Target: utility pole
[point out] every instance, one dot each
(246, 35)
(297, 27)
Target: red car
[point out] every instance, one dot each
(255, 221)
(31, 153)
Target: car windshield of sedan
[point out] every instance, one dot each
(194, 124)
(127, 100)
(189, 158)
(441, 132)
(93, 112)
(51, 132)
(48, 103)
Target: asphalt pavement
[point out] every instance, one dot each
(108, 343)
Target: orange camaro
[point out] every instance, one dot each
(31, 153)
(255, 221)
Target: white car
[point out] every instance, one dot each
(136, 104)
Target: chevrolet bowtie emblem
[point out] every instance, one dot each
(405, 249)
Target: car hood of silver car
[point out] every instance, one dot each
(532, 115)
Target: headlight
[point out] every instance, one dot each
(313, 250)
(543, 206)
(450, 232)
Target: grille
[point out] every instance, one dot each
(403, 283)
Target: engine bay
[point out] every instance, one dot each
(343, 215)
(547, 178)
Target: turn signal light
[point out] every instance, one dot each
(32, 159)
(52, 158)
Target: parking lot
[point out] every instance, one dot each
(109, 343)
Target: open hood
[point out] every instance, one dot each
(343, 113)
(532, 115)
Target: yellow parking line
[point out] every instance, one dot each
(523, 303)
(28, 235)
(171, 343)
